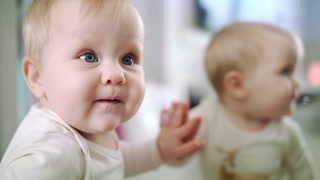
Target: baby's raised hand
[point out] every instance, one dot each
(176, 138)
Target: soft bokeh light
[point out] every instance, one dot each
(314, 74)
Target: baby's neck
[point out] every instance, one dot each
(250, 124)
(243, 120)
(106, 140)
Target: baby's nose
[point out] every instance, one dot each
(113, 75)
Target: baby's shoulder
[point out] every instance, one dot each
(44, 156)
(40, 129)
(290, 125)
(291, 131)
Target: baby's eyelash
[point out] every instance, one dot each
(134, 57)
(88, 57)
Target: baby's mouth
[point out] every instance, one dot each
(109, 99)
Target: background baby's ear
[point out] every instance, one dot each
(32, 78)
(233, 83)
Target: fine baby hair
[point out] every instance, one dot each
(36, 21)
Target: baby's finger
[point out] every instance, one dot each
(164, 118)
(190, 129)
(190, 147)
(177, 114)
(185, 111)
(171, 112)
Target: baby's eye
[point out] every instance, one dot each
(89, 57)
(127, 60)
(286, 71)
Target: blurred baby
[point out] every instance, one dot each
(247, 131)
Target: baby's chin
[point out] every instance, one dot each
(288, 112)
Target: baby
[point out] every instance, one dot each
(247, 131)
(83, 62)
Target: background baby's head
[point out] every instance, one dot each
(241, 46)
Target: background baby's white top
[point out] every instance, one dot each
(270, 154)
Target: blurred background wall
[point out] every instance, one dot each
(8, 71)
(177, 32)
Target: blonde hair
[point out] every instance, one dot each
(36, 22)
(240, 46)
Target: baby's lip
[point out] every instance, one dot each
(109, 99)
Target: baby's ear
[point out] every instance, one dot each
(32, 78)
(234, 85)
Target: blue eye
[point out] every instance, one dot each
(127, 60)
(89, 57)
